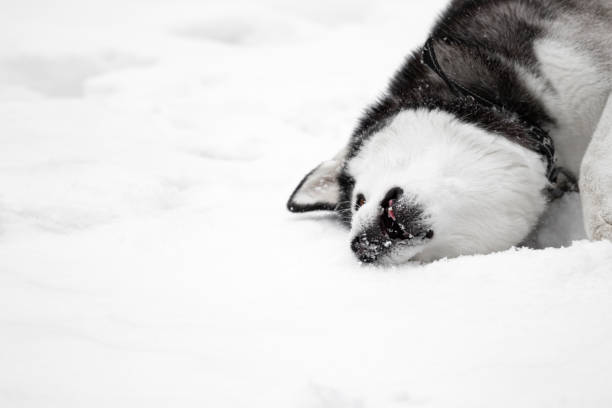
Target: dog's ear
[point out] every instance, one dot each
(320, 189)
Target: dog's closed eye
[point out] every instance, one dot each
(361, 200)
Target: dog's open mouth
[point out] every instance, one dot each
(389, 223)
(402, 230)
(392, 226)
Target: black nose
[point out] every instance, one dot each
(365, 250)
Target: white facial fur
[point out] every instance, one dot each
(481, 192)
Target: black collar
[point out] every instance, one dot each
(543, 143)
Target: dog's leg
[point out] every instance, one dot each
(596, 180)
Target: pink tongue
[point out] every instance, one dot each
(391, 213)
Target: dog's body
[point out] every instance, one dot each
(454, 159)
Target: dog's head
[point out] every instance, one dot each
(427, 186)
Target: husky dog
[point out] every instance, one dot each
(507, 100)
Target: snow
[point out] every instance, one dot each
(147, 259)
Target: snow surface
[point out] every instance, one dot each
(147, 259)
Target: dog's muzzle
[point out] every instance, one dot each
(399, 224)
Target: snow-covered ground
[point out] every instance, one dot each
(147, 149)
